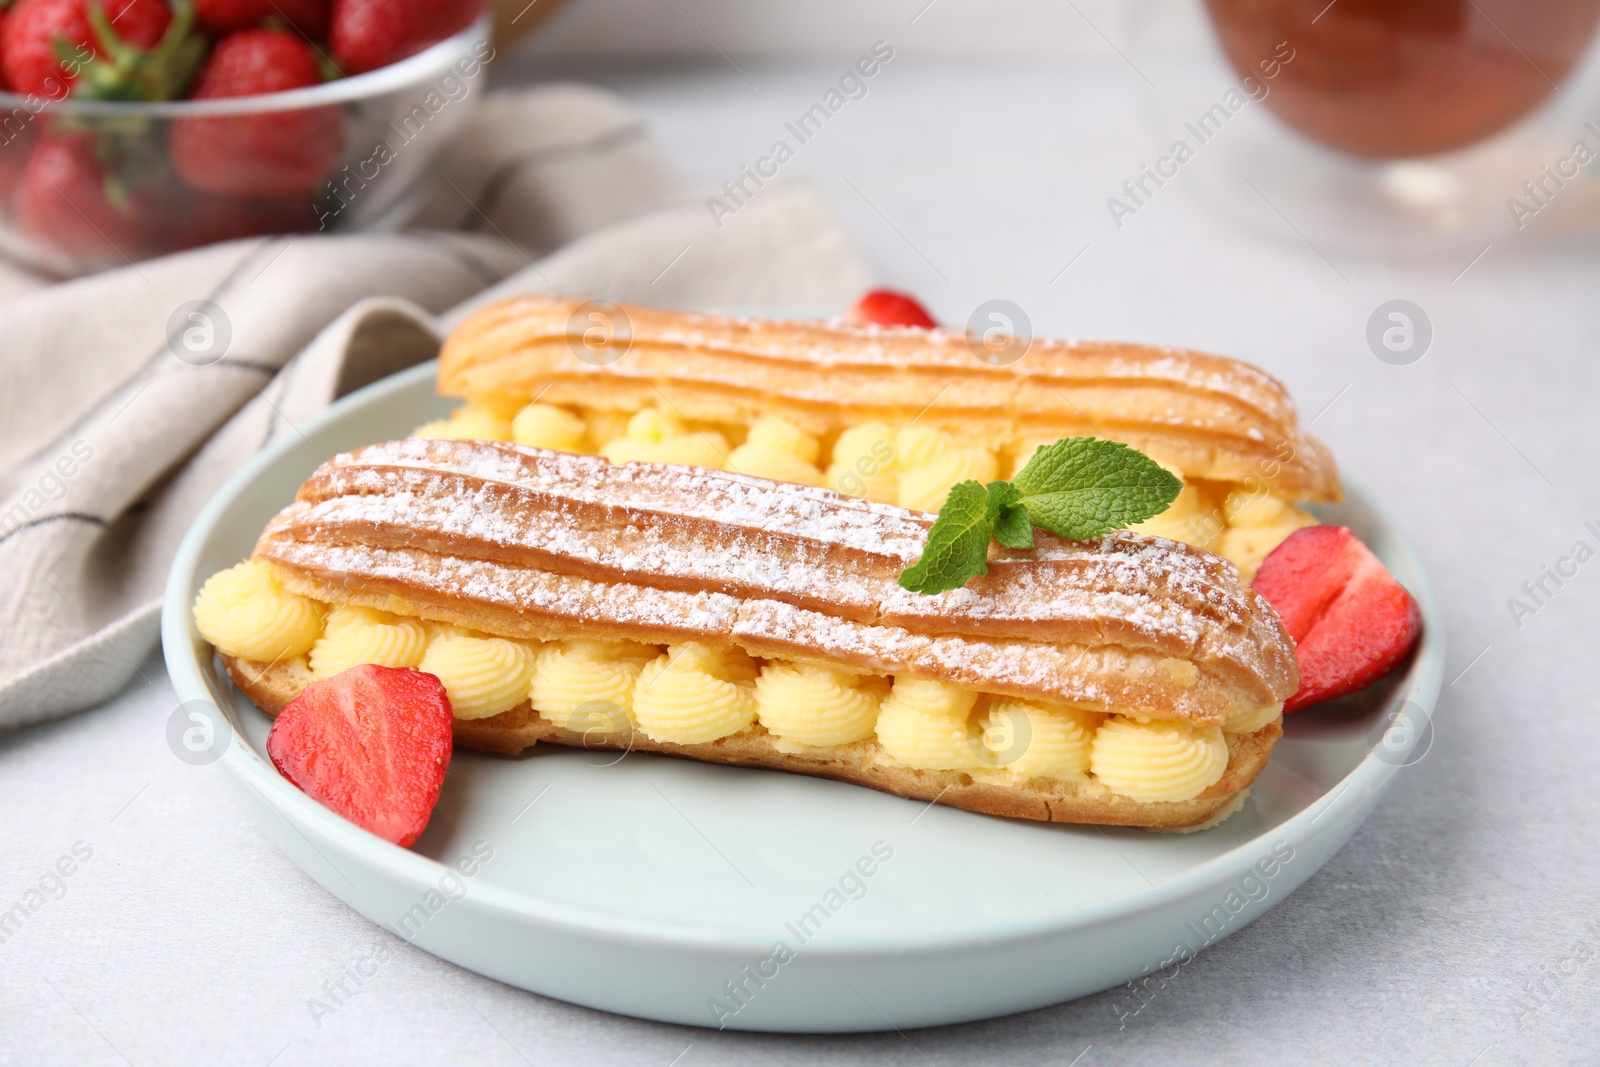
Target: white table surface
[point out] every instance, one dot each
(187, 937)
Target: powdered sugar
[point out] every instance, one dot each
(560, 536)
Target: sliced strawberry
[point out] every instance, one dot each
(1351, 621)
(372, 744)
(885, 307)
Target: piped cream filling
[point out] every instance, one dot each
(355, 635)
(588, 685)
(929, 726)
(246, 612)
(1154, 761)
(482, 675)
(694, 693)
(804, 705)
(1032, 740)
(912, 467)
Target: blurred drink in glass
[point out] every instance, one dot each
(1405, 78)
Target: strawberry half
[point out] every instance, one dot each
(885, 307)
(371, 744)
(1351, 621)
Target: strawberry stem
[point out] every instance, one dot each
(127, 72)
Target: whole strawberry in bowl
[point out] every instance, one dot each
(309, 18)
(277, 153)
(141, 127)
(139, 49)
(63, 196)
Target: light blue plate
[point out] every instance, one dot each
(664, 889)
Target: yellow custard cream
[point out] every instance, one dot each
(660, 437)
(587, 685)
(246, 612)
(808, 706)
(1257, 523)
(912, 467)
(1251, 721)
(1034, 741)
(778, 449)
(547, 426)
(928, 725)
(693, 693)
(482, 676)
(1157, 760)
(355, 635)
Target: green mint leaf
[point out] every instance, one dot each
(1000, 495)
(958, 545)
(1082, 487)
(1013, 528)
(1077, 488)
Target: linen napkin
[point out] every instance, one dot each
(131, 395)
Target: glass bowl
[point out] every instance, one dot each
(86, 185)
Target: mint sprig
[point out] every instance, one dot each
(1078, 488)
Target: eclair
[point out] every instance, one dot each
(715, 616)
(895, 415)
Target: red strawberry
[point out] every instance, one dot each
(198, 218)
(368, 34)
(278, 153)
(15, 150)
(371, 744)
(44, 44)
(885, 307)
(310, 17)
(1351, 621)
(64, 201)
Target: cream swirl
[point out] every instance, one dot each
(482, 675)
(778, 449)
(582, 685)
(1032, 740)
(695, 694)
(924, 484)
(655, 436)
(925, 725)
(548, 426)
(1157, 760)
(355, 635)
(469, 423)
(863, 463)
(1248, 722)
(806, 705)
(246, 612)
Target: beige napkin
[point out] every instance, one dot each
(124, 412)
